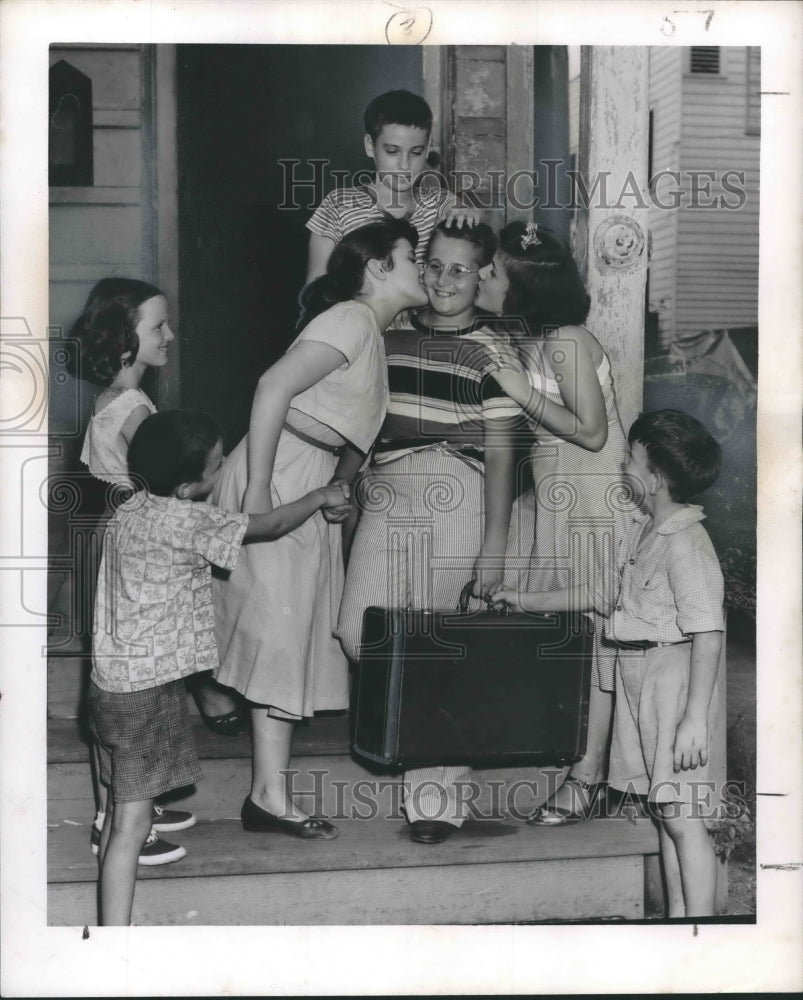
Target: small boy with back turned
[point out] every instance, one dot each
(664, 610)
(397, 132)
(155, 625)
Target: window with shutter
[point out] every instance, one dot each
(704, 59)
(70, 152)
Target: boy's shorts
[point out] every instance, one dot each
(652, 688)
(144, 740)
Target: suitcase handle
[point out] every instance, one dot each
(465, 595)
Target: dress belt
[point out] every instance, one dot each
(402, 444)
(648, 644)
(332, 449)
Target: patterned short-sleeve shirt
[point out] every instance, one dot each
(154, 620)
(669, 589)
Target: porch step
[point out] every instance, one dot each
(496, 871)
(331, 786)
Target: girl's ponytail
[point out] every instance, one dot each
(345, 271)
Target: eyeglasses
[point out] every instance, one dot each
(457, 272)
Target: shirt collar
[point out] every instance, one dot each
(681, 519)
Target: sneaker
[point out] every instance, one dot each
(160, 852)
(154, 851)
(170, 820)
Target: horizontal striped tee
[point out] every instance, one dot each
(346, 209)
(440, 387)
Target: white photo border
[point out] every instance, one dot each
(38, 960)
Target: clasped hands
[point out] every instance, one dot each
(336, 497)
(338, 506)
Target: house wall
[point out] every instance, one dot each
(665, 106)
(717, 250)
(108, 228)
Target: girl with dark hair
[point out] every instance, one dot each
(561, 377)
(122, 332)
(437, 498)
(315, 415)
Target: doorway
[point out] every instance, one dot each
(241, 111)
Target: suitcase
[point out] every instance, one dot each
(481, 688)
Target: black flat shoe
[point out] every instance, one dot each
(231, 724)
(256, 820)
(430, 831)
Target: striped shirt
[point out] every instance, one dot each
(666, 590)
(346, 209)
(440, 388)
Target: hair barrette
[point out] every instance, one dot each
(530, 238)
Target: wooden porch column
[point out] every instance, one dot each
(611, 244)
(611, 235)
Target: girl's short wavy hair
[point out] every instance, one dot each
(107, 328)
(545, 287)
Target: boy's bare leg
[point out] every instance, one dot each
(675, 904)
(124, 832)
(98, 788)
(697, 864)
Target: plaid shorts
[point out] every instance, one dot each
(144, 740)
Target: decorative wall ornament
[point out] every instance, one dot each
(619, 242)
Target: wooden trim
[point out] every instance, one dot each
(519, 105)
(431, 60)
(148, 102)
(95, 195)
(165, 209)
(117, 118)
(447, 113)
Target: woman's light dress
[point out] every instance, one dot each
(276, 612)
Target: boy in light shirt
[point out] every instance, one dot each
(663, 600)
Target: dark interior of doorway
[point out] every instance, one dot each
(241, 110)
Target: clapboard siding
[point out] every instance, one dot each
(104, 229)
(704, 268)
(717, 277)
(665, 70)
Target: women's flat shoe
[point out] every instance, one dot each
(256, 820)
(584, 793)
(430, 831)
(231, 724)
